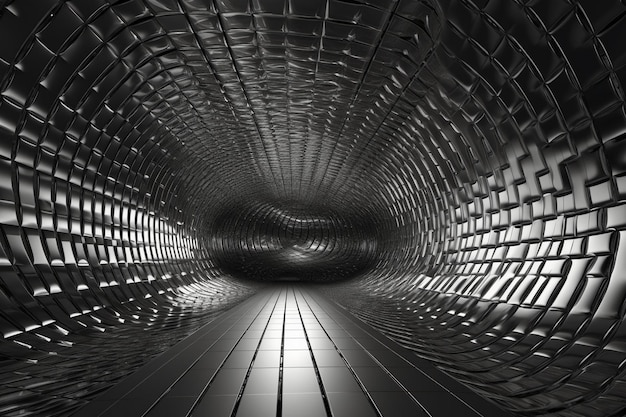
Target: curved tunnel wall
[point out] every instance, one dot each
(458, 165)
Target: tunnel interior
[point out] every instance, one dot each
(452, 172)
(294, 243)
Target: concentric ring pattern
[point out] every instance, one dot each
(454, 170)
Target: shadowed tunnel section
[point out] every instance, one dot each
(454, 171)
(295, 243)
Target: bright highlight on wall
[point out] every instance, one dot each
(453, 170)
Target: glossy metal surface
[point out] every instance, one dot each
(288, 351)
(457, 168)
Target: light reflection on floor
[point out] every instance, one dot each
(288, 351)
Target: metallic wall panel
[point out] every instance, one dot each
(462, 161)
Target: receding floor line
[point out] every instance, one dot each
(288, 351)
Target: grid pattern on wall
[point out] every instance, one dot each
(462, 161)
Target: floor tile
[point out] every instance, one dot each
(303, 405)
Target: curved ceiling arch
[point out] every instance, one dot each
(456, 162)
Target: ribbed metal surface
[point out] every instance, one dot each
(462, 162)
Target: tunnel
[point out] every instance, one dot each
(450, 174)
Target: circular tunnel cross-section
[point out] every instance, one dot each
(452, 171)
(296, 243)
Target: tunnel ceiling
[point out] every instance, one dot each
(458, 166)
(200, 107)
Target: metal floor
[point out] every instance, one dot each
(288, 351)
